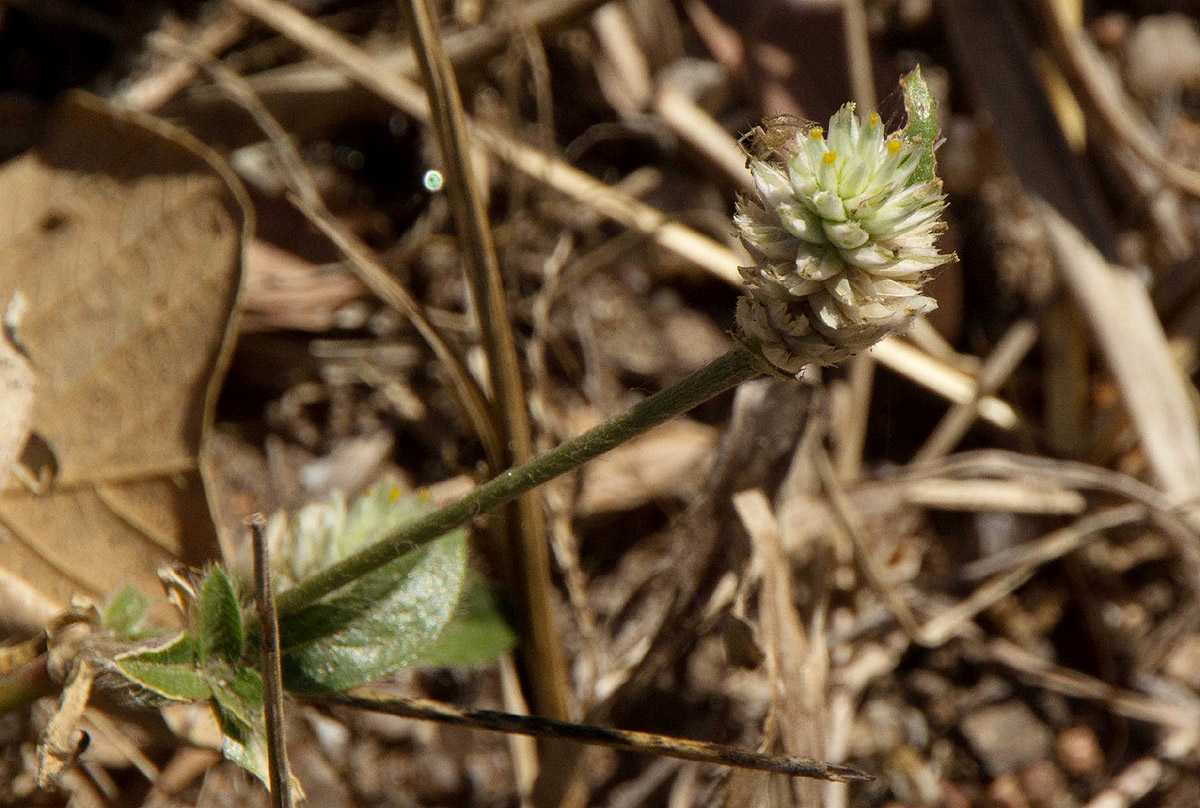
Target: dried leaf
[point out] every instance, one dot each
(124, 234)
(61, 743)
(16, 394)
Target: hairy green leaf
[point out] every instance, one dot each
(218, 619)
(478, 634)
(323, 533)
(922, 124)
(125, 613)
(170, 670)
(383, 621)
(238, 704)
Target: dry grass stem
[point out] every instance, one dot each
(1005, 358)
(626, 740)
(264, 599)
(158, 87)
(1099, 90)
(525, 560)
(1130, 336)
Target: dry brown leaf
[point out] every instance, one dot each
(16, 394)
(124, 235)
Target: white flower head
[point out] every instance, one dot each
(843, 235)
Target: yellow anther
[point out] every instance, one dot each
(829, 157)
(893, 146)
(873, 119)
(424, 494)
(816, 133)
(393, 494)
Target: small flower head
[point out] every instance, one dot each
(843, 236)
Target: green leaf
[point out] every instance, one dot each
(477, 635)
(170, 670)
(922, 124)
(238, 704)
(326, 532)
(218, 619)
(384, 621)
(125, 613)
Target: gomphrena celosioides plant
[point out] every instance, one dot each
(843, 235)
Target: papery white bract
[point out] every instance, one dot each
(843, 237)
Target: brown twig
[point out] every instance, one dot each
(527, 565)
(1099, 91)
(626, 740)
(1003, 361)
(277, 766)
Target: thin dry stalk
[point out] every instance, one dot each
(944, 379)
(1069, 682)
(981, 496)
(1161, 511)
(1133, 783)
(626, 740)
(264, 598)
(693, 124)
(1002, 362)
(527, 565)
(864, 554)
(802, 663)
(1100, 92)
(858, 53)
(466, 48)
(955, 620)
(852, 434)
(1055, 544)
(153, 90)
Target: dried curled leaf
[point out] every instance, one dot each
(124, 235)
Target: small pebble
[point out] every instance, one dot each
(1005, 792)
(1078, 752)
(1045, 786)
(1007, 736)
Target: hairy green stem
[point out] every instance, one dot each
(723, 373)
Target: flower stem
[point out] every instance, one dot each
(723, 373)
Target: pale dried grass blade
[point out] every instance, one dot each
(1118, 310)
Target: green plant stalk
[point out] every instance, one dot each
(723, 373)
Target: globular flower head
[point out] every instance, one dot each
(843, 235)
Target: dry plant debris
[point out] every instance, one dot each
(969, 564)
(123, 235)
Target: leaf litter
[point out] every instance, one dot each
(979, 650)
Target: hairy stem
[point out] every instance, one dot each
(723, 373)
